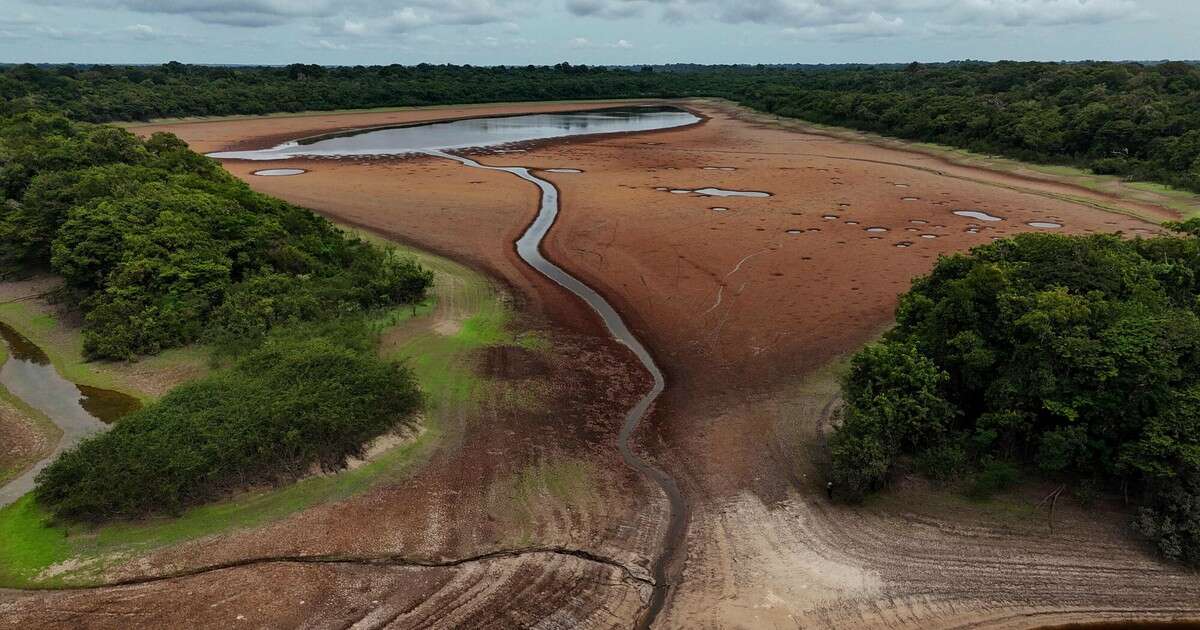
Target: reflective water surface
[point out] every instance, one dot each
(977, 214)
(474, 132)
(79, 410)
(279, 172)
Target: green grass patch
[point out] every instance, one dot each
(31, 543)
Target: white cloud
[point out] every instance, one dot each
(324, 44)
(583, 42)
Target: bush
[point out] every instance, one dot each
(942, 462)
(893, 404)
(993, 476)
(1172, 520)
(860, 462)
(278, 411)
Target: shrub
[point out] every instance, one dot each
(993, 476)
(278, 411)
(942, 462)
(1172, 520)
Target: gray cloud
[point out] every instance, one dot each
(390, 15)
(867, 18)
(611, 9)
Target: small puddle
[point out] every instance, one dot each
(563, 170)
(851, 222)
(795, 231)
(910, 199)
(107, 405)
(918, 221)
(976, 214)
(876, 229)
(721, 192)
(1046, 225)
(279, 172)
(719, 168)
(719, 209)
(903, 244)
(830, 217)
(929, 236)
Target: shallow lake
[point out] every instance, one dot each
(473, 132)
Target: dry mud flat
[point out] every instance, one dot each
(744, 301)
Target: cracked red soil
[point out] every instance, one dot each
(745, 317)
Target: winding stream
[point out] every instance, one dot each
(529, 249)
(435, 139)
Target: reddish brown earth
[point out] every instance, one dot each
(745, 319)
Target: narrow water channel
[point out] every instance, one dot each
(529, 249)
(78, 410)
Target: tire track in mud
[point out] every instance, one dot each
(529, 249)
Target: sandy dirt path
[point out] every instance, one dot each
(745, 302)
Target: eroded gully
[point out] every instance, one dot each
(529, 249)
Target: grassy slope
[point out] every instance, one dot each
(442, 365)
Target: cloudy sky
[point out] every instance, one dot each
(593, 31)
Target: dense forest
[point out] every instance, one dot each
(160, 247)
(1132, 120)
(1074, 358)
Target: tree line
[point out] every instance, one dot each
(1127, 119)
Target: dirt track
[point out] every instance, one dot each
(744, 315)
